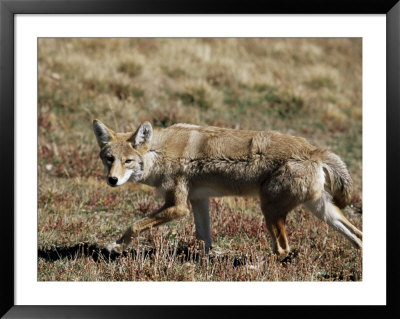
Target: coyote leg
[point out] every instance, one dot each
(175, 207)
(333, 216)
(157, 218)
(201, 212)
(275, 222)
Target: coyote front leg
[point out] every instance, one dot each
(171, 210)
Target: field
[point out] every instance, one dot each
(306, 87)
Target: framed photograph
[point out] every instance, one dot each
(226, 120)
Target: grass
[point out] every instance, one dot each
(306, 87)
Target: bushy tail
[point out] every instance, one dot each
(338, 181)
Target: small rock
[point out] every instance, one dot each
(55, 76)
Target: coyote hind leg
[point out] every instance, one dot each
(275, 222)
(324, 209)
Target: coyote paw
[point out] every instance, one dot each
(115, 247)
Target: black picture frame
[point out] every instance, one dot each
(8, 10)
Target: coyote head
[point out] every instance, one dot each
(122, 153)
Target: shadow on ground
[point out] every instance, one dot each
(101, 254)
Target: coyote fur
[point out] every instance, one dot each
(189, 164)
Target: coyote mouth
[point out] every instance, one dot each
(111, 185)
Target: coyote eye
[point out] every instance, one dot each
(110, 158)
(128, 161)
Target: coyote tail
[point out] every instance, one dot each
(338, 181)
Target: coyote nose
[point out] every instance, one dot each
(112, 180)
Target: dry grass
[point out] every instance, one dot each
(306, 87)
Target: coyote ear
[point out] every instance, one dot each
(143, 135)
(103, 134)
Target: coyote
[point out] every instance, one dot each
(190, 163)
